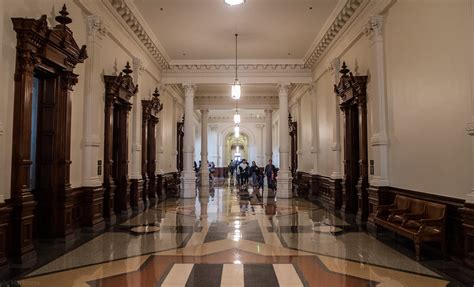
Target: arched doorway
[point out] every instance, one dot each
(236, 148)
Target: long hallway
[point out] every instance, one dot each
(224, 240)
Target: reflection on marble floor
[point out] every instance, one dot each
(223, 241)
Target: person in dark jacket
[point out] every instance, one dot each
(270, 171)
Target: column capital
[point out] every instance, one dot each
(268, 111)
(260, 126)
(189, 89)
(96, 27)
(204, 111)
(283, 89)
(213, 126)
(374, 27)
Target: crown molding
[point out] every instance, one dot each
(130, 15)
(345, 10)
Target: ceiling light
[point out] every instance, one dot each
(235, 93)
(237, 118)
(234, 2)
(236, 90)
(237, 131)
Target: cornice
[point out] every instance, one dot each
(321, 44)
(129, 14)
(227, 67)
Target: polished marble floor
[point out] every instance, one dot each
(225, 240)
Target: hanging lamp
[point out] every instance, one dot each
(236, 115)
(236, 131)
(236, 86)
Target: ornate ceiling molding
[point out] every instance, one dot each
(134, 23)
(339, 22)
(198, 68)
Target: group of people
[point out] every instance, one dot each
(243, 172)
(210, 165)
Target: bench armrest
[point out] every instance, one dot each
(411, 216)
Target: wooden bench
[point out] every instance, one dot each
(418, 220)
(171, 184)
(301, 184)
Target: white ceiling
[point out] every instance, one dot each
(204, 29)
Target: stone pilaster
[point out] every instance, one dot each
(188, 180)
(284, 186)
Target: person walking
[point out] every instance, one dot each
(254, 172)
(270, 171)
(231, 168)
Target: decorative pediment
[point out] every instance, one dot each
(56, 44)
(120, 87)
(154, 106)
(351, 89)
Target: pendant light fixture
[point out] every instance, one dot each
(236, 115)
(236, 131)
(236, 86)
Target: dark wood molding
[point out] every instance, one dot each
(326, 190)
(151, 109)
(467, 213)
(4, 232)
(118, 92)
(50, 54)
(180, 145)
(352, 91)
(93, 206)
(293, 131)
(136, 194)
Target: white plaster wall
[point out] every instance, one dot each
(427, 78)
(305, 159)
(428, 91)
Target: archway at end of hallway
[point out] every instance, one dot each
(236, 147)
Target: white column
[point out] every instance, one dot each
(378, 104)
(93, 106)
(268, 135)
(260, 150)
(136, 163)
(174, 132)
(188, 174)
(284, 189)
(204, 150)
(214, 143)
(299, 135)
(336, 137)
(314, 129)
(160, 156)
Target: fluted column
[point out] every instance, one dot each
(188, 174)
(260, 150)
(268, 135)
(314, 129)
(378, 104)
(136, 125)
(284, 179)
(92, 151)
(336, 136)
(204, 152)
(92, 87)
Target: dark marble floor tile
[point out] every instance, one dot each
(260, 275)
(205, 275)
